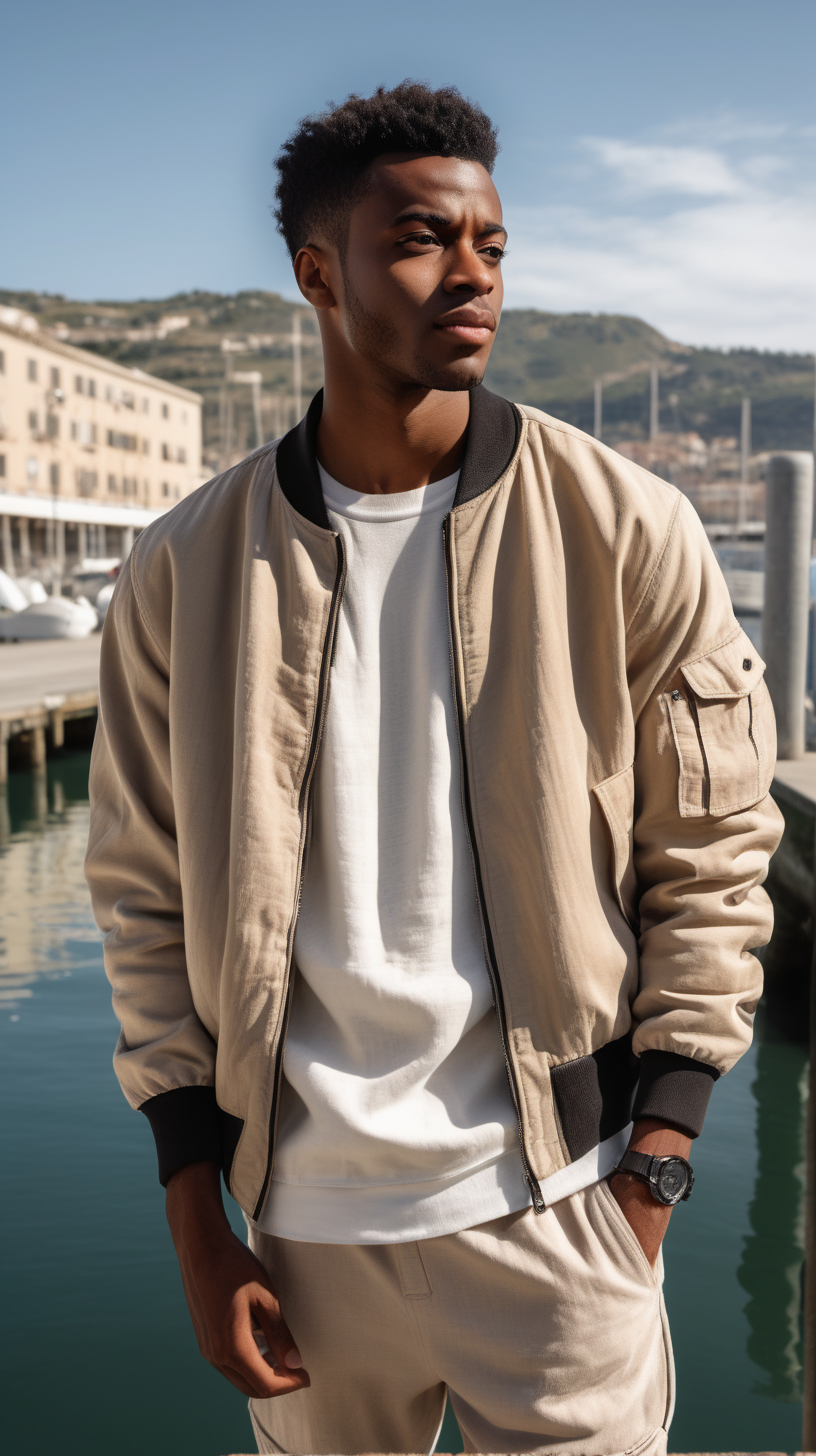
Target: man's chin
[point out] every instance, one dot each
(450, 378)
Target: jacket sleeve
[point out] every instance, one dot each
(704, 829)
(165, 1057)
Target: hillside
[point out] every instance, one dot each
(543, 359)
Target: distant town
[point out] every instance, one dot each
(110, 412)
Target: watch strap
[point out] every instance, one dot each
(640, 1164)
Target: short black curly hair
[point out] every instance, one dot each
(321, 166)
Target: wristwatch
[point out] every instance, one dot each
(670, 1179)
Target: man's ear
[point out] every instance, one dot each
(312, 272)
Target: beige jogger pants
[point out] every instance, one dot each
(549, 1332)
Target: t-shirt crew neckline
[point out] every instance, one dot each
(359, 505)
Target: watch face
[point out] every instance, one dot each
(672, 1180)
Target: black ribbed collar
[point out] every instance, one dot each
(492, 436)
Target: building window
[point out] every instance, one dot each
(33, 422)
(165, 411)
(145, 406)
(182, 455)
(120, 441)
(86, 481)
(112, 487)
(2, 467)
(54, 476)
(55, 379)
(128, 399)
(92, 389)
(32, 371)
(145, 447)
(130, 485)
(2, 362)
(165, 488)
(52, 426)
(79, 384)
(32, 467)
(165, 452)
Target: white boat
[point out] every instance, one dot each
(12, 599)
(102, 601)
(32, 589)
(55, 617)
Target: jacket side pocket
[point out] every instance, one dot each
(724, 731)
(616, 796)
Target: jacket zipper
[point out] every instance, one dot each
(487, 936)
(304, 805)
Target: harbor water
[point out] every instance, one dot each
(98, 1352)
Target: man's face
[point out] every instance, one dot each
(421, 272)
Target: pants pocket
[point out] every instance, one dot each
(628, 1239)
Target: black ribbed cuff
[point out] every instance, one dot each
(185, 1125)
(674, 1089)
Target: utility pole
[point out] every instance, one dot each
(225, 406)
(253, 378)
(745, 440)
(297, 367)
(745, 455)
(654, 403)
(598, 409)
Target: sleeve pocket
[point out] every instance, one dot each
(724, 731)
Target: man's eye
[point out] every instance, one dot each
(419, 238)
(495, 252)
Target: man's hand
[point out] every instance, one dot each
(228, 1291)
(648, 1218)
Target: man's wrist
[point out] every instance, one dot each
(659, 1139)
(655, 1139)
(194, 1204)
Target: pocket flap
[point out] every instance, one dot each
(730, 671)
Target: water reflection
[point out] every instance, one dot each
(773, 1253)
(45, 902)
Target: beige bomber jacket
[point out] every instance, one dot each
(617, 746)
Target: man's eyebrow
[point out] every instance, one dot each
(418, 214)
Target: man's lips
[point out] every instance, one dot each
(470, 326)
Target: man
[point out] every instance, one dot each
(430, 816)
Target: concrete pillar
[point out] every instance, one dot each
(38, 747)
(788, 536)
(25, 545)
(58, 728)
(127, 541)
(82, 541)
(5, 540)
(4, 738)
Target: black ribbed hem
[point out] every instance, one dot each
(186, 1127)
(675, 1090)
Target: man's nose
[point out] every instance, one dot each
(469, 272)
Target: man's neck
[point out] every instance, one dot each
(380, 440)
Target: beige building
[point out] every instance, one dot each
(90, 452)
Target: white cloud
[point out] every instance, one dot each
(644, 169)
(708, 247)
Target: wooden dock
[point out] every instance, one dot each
(41, 685)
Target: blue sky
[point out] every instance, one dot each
(656, 159)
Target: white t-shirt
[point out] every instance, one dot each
(396, 1118)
